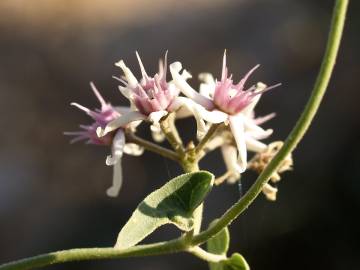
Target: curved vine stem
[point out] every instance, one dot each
(185, 244)
(83, 254)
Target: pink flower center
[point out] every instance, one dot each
(231, 98)
(153, 94)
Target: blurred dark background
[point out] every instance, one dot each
(52, 194)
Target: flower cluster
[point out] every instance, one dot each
(152, 98)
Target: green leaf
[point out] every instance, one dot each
(236, 262)
(219, 244)
(198, 213)
(174, 203)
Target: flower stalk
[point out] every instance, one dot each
(169, 129)
(202, 144)
(131, 137)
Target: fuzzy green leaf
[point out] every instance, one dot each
(174, 203)
(236, 262)
(219, 244)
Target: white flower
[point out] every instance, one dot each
(225, 141)
(116, 138)
(151, 98)
(225, 102)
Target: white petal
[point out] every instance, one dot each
(122, 109)
(155, 117)
(117, 148)
(155, 128)
(132, 81)
(120, 122)
(230, 157)
(186, 89)
(214, 116)
(186, 74)
(133, 125)
(254, 145)
(259, 87)
(191, 106)
(115, 160)
(113, 191)
(173, 88)
(250, 108)
(237, 129)
(260, 136)
(156, 133)
(207, 88)
(207, 78)
(126, 92)
(133, 149)
(254, 130)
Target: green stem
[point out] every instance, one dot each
(211, 132)
(83, 254)
(170, 131)
(179, 244)
(302, 125)
(206, 256)
(131, 137)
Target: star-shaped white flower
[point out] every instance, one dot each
(225, 102)
(151, 98)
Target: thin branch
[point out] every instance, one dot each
(210, 133)
(131, 137)
(167, 125)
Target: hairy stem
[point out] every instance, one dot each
(302, 125)
(131, 137)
